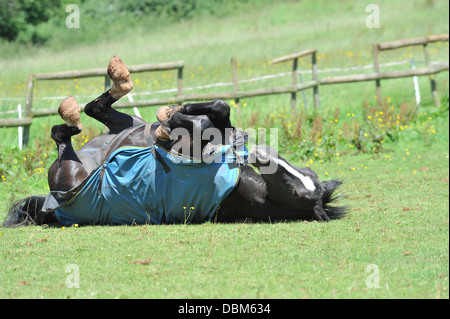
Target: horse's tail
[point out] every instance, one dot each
(329, 196)
(28, 211)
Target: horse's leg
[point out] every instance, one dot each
(184, 133)
(218, 112)
(192, 123)
(68, 170)
(101, 108)
(71, 168)
(65, 173)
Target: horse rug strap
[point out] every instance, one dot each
(137, 189)
(159, 158)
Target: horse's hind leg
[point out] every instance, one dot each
(101, 108)
(217, 111)
(68, 170)
(185, 133)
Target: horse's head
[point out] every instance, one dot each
(292, 186)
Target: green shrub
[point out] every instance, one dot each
(320, 137)
(19, 19)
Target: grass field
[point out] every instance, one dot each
(393, 244)
(398, 222)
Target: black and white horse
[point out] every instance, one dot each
(285, 192)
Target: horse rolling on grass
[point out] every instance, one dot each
(160, 173)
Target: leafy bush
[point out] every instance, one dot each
(35, 21)
(179, 9)
(312, 136)
(20, 19)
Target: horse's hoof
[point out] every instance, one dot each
(162, 133)
(62, 133)
(165, 112)
(119, 74)
(69, 110)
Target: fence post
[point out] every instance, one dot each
(431, 76)
(376, 67)
(315, 78)
(28, 109)
(236, 86)
(20, 128)
(416, 84)
(107, 83)
(294, 83)
(180, 82)
(305, 102)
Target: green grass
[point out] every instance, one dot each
(405, 233)
(398, 198)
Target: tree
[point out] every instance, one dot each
(23, 16)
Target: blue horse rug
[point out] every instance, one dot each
(150, 186)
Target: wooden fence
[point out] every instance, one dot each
(30, 113)
(428, 70)
(236, 94)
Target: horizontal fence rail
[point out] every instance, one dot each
(429, 70)
(384, 75)
(103, 71)
(410, 42)
(30, 112)
(423, 41)
(16, 122)
(212, 85)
